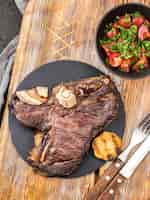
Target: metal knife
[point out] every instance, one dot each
(127, 171)
(139, 134)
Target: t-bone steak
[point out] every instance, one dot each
(72, 116)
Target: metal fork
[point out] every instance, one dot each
(139, 134)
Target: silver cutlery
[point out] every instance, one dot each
(127, 171)
(139, 134)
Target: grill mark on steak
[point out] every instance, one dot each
(69, 131)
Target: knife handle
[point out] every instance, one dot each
(110, 192)
(105, 179)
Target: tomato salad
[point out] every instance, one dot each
(127, 42)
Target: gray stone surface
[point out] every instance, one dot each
(10, 20)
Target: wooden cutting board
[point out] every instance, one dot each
(65, 29)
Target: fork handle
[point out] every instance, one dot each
(105, 179)
(110, 192)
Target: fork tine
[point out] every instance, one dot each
(147, 129)
(146, 118)
(145, 123)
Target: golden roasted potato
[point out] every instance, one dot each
(34, 154)
(38, 138)
(107, 145)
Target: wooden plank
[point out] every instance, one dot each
(137, 104)
(17, 178)
(54, 29)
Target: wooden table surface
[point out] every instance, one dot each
(65, 29)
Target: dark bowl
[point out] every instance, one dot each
(109, 17)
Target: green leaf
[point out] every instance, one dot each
(116, 18)
(137, 14)
(108, 27)
(133, 62)
(141, 66)
(114, 48)
(116, 37)
(147, 54)
(133, 29)
(105, 41)
(127, 18)
(106, 61)
(146, 45)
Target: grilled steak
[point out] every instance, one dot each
(69, 122)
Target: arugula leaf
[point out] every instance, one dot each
(147, 54)
(146, 45)
(108, 27)
(133, 29)
(106, 61)
(116, 37)
(141, 66)
(105, 41)
(128, 34)
(116, 18)
(136, 14)
(133, 62)
(114, 48)
(127, 18)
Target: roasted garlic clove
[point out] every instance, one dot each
(42, 91)
(33, 93)
(34, 96)
(26, 98)
(66, 97)
(107, 146)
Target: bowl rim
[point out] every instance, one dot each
(120, 74)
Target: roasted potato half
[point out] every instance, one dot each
(107, 145)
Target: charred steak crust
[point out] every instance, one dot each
(69, 131)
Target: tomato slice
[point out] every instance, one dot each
(138, 20)
(110, 34)
(115, 25)
(114, 59)
(125, 65)
(143, 32)
(125, 21)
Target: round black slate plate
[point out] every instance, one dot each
(50, 75)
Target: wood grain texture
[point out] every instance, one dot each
(54, 29)
(112, 189)
(105, 179)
